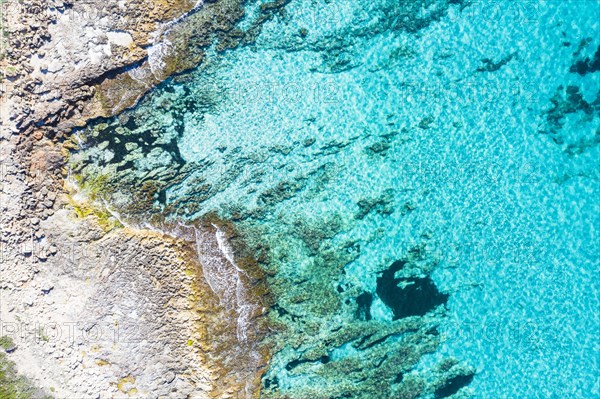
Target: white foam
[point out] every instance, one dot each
(142, 75)
(161, 45)
(224, 246)
(156, 57)
(224, 277)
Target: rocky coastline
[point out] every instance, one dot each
(97, 308)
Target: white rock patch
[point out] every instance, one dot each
(123, 39)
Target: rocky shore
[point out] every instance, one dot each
(96, 309)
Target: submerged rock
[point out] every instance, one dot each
(408, 296)
(364, 302)
(453, 385)
(587, 65)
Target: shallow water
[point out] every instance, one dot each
(459, 143)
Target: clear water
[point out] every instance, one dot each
(350, 134)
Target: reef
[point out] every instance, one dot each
(358, 356)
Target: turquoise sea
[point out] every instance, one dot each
(420, 182)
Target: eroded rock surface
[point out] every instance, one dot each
(98, 310)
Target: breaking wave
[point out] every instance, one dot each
(224, 276)
(157, 54)
(161, 46)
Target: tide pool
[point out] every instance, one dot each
(419, 182)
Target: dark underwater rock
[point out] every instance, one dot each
(379, 147)
(364, 302)
(587, 65)
(569, 100)
(295, 363)
(408, 296)
(453, 385)
(382, 205)
(282, 191)
(491, 66)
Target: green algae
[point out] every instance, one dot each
(13, 385)
(104, 218)
(6, 342)
(96, 187)
(95, 190)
